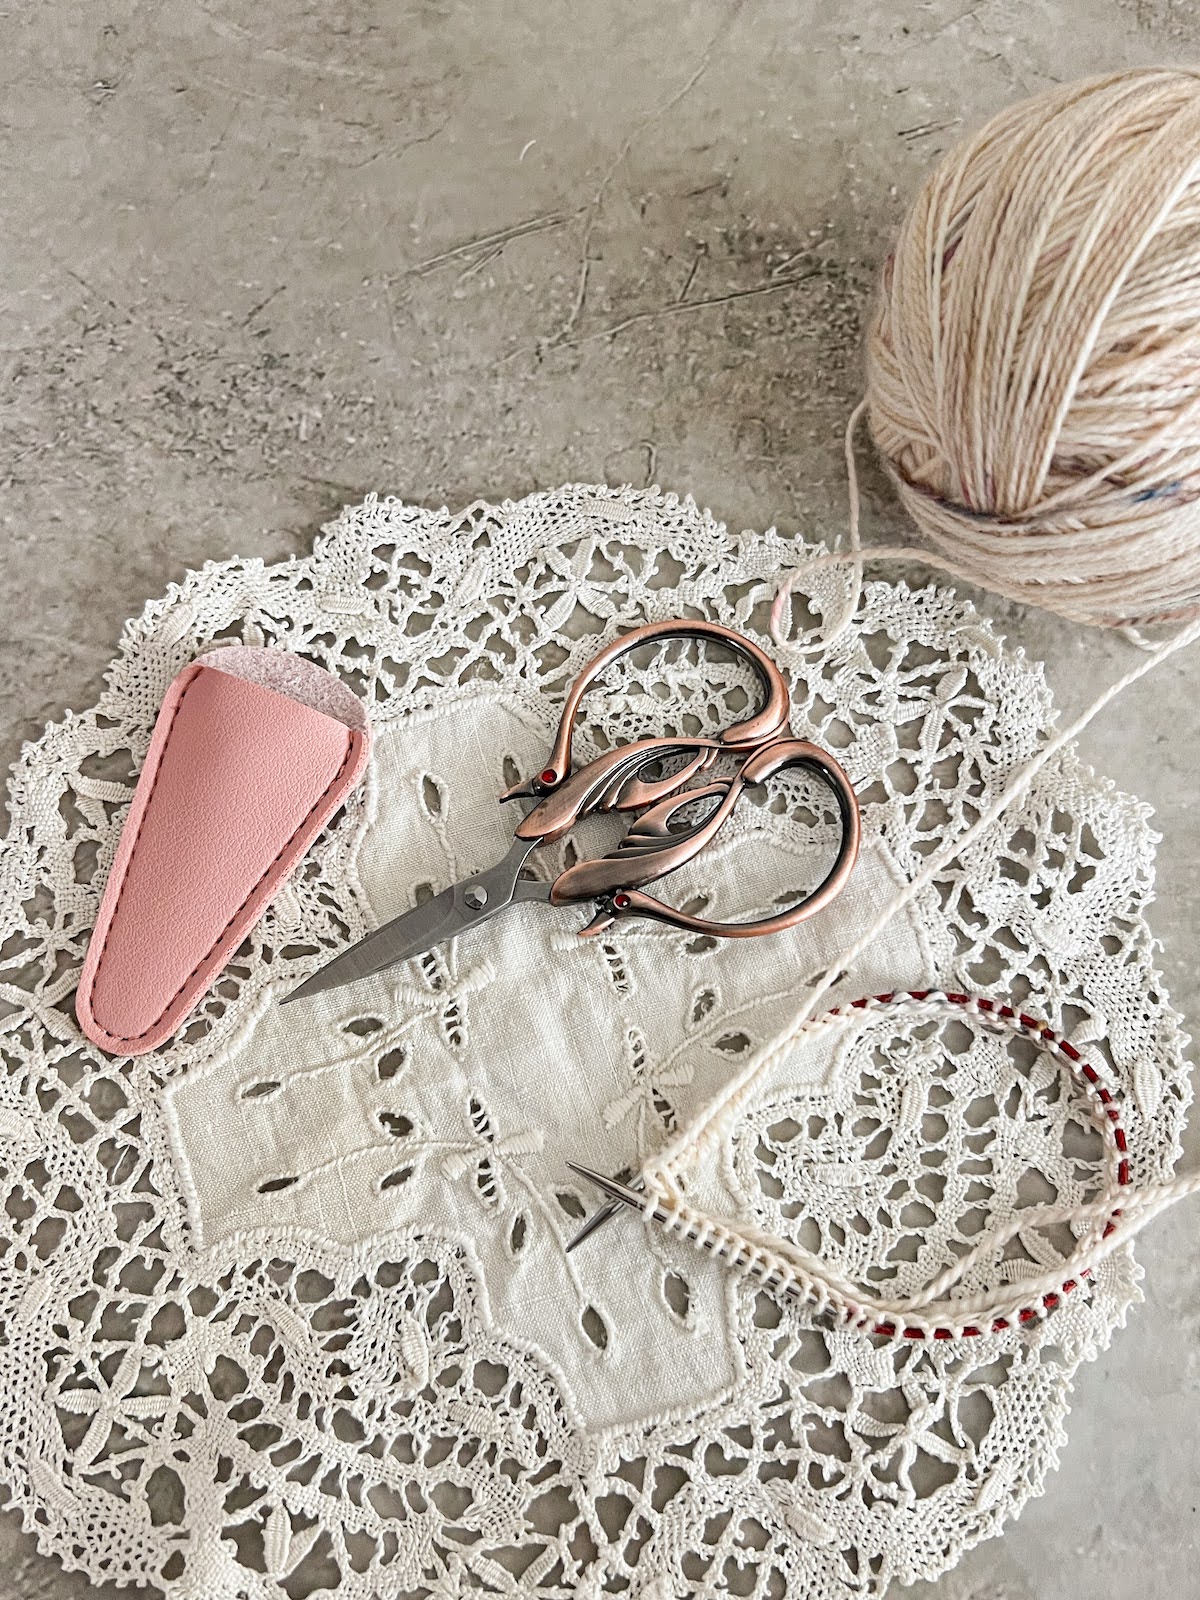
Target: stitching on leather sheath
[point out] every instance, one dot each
(134, 1038)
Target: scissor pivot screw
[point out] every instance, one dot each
(621, 901)
(476, 897)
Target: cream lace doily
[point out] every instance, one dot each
(284, 1306)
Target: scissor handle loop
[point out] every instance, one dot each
(766, 722)
(651, 849)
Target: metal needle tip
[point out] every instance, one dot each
(623, 1193)
(609, 1209)
(596, 1220)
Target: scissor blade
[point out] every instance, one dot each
(448, 914)
(408, 935)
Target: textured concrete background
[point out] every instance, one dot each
(258, 260)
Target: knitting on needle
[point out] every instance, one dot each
(622, 1194)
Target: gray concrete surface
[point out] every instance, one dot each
(257, 260)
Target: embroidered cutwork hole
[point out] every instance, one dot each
(595, 1327)
(733, 1044)
(431, 967)
(616, 967)
(257, 1090)
(363, 1027)
(395, 1124)
(452, 1023)
(703, 1003)
(273, 1185)
(431, 796)
(393, 1180)
(390, 1063)
(677, 1294)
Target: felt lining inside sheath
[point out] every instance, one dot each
(293, 676)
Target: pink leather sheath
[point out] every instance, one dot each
(252, 753)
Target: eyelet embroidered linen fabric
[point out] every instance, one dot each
(285, 1304)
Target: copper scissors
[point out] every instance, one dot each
(629, 778)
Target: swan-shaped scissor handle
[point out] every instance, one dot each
(653, 847)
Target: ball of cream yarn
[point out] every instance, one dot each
(1033, 364)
